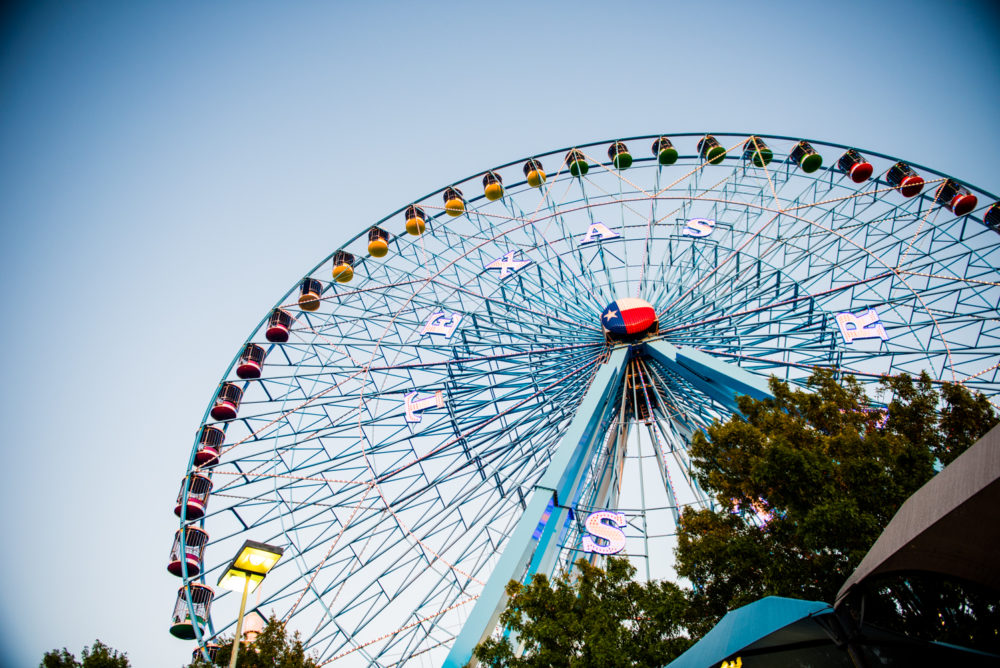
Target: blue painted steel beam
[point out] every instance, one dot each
(563, 475)
(720, 380)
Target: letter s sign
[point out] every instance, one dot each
(605, 524)
(698, 227)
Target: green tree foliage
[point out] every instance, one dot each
(592, 618)
(97, 656)
(271, 649)
(828, 474)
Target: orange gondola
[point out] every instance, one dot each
(534, 173)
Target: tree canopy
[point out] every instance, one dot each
(597, 618)
(805, 483)
(97, 656)
(271, 649)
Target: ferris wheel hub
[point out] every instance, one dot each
(629, 319)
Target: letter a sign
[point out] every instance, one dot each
(598, 232)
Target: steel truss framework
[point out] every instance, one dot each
(401, 528)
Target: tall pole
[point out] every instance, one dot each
(239, 623)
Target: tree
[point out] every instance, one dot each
(593, 618)
(826, 476)
(271, 649)
(97, 656)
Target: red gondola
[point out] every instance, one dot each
(854, 165)
(278, 326)
(956, 197)
(209, 446)
(251, 361)
(227, 401)
(903, 178)
(195, 541)
(199, 487)
(992, 217)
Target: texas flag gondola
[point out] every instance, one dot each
(629, 319)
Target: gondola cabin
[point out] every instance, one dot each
(711, 150)
(905, 179)
(227, 401)
(854, 165)
(757, 152)
(309, 291)
(534, 173)
(199, 487)
(664, 151)
(619, 155)
(454, 202)
(577, 163)
(211, 649)
(251, 361)
(805, 156)
(210, 442)
(492, 186)
(192, 552)
(378, 242)
(416, 220)
(992, 217)
(956, 197)
(278, 326)
(183, 624)
(343, 266)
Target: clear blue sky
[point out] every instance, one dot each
(167, 170)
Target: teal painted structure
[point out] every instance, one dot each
(745, 626)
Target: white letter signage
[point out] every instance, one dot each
(606, 525)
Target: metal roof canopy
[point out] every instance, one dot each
(950, 526)
(771, 622)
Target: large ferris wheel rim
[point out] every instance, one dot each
(554, 152)
(438, 213)
(475, 175)
(885, 156)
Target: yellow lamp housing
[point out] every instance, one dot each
(234, 580)
(250, 565)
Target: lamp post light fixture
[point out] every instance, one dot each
(245, 573)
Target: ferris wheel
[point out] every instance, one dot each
(503, 376)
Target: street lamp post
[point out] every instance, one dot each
(246, 572)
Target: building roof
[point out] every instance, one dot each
(769, 622)
(950, 526)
